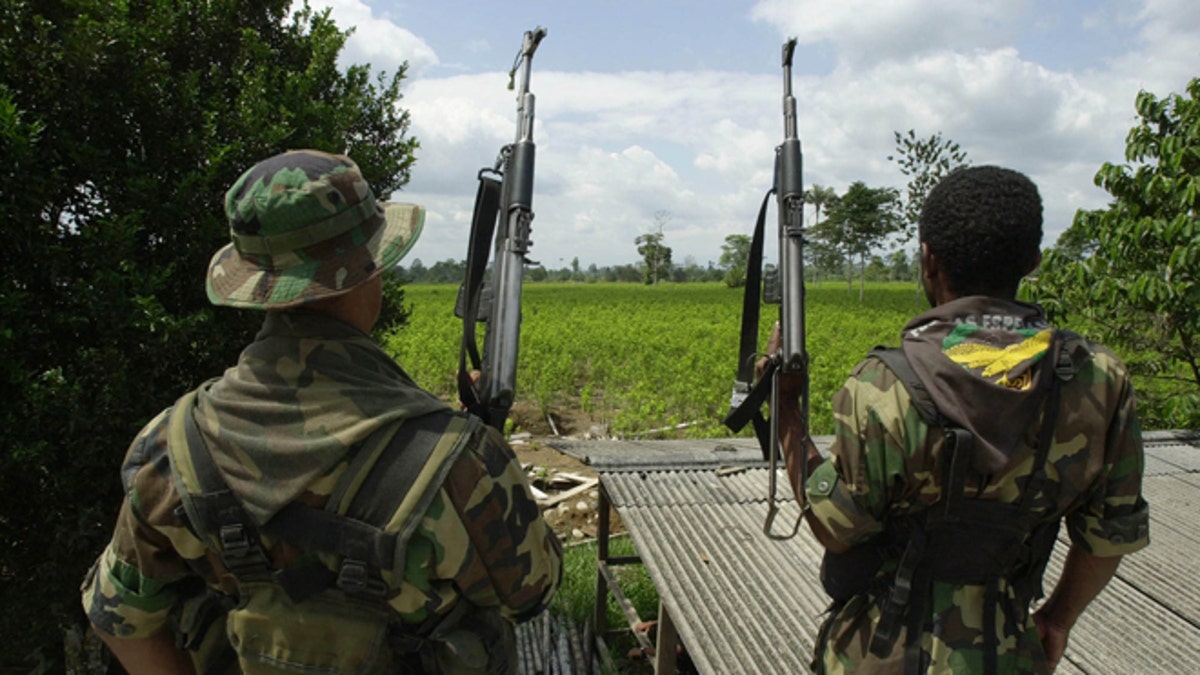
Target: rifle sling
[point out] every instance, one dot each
(750, 409)
(751, 297)
(483, 228)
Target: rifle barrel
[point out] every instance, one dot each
(501, 344)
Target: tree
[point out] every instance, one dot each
(1131, 272)
(820, 196)
(859, 223)
(448, 271)
(925, 162)
(416, 270)
(655, 254)
(900, 265)
(735, 257)
(121, 126)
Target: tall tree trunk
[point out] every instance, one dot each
(862, 276)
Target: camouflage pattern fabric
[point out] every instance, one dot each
(482, 539)
(886, 463)
(306, 225)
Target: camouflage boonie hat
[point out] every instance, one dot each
(305, 225)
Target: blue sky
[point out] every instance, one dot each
(675, 105)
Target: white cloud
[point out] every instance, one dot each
(377, 40)
(1168, 33)
(869, 31)
(612, 150)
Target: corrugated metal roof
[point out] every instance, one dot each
(746, 603)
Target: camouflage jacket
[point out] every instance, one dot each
(283, 425)
(886, 462)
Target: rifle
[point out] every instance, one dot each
(505, 193)
(784, 286)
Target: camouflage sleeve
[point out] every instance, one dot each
(129, 590)
(1114, 518)
(869, 464)
(499, 551)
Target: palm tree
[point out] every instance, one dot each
(819, 196)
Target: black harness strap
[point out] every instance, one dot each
(216, 512)
(749, 410)
(914, 575)
(365, 549)
(483, 229)
(922, 400)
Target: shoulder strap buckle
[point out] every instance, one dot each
(234, 542)
(356, 579)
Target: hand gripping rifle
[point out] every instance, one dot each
(505, 191)
(786, 287)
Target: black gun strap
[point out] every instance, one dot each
(750, 409)
(752, 297)
(483, 229)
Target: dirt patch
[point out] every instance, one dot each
(555, 422)
(571, 509)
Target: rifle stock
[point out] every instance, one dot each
(791, 357)
(491, 396)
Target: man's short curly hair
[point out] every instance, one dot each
(984, 224)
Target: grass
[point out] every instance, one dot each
(575, 598)
(646, 357)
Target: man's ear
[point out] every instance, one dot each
(930, 267)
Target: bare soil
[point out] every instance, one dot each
(575, 518)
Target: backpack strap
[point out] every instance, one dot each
(397, 481)
(413, 457)
(212, 510)
(922, 400)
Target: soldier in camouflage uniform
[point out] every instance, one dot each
(977, 352)
(303, 405)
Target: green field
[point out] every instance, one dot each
(639, 358)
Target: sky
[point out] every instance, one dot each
(667, 112)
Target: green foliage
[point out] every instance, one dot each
(925, 162)
(820, 197)
(735, 256)
(121, 126)
(639, 357)
(1129, 275)
(857, 224)
(576, 597)
(394, 312)
(655, 254)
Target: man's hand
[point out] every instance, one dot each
(1054, 638)
(474, 375)
(1083, 577)
(791, 385)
